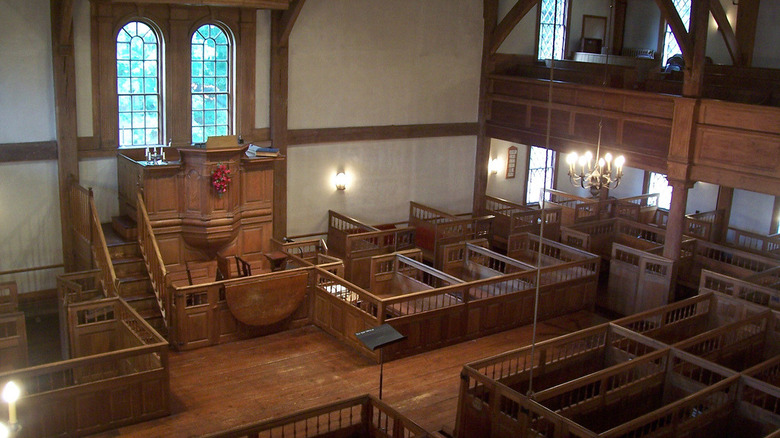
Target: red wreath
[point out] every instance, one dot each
(220, 179)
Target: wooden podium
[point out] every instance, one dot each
(191, 220)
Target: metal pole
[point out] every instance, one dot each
(381, 371)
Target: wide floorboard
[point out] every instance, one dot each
(229, 385)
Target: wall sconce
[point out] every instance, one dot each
(11, 393)
(341, 181)
(494, 165)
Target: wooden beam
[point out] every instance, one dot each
(63, 67)
(256, 4)
(280, 64)
(502, 31)
(724, 202)
(669, 12)
(372, 133)
(289, 18)
(693, 76)
(32, 151)
(726, 31)
(482, 158)
(747, 17)
(66, 20)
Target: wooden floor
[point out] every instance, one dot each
(225, 386)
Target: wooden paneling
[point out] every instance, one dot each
(372, 133)
(30, 151)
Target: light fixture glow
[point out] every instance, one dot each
(604, 173)
(494, 165)
(4, 432)
(341, 181)
(11, 393)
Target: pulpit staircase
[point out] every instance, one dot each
(122, 270)
(134, 284)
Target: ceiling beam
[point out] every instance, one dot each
(507, 25)
(669, 12)
(726, 31)
(288, 19)
(256, 4)
(747, 16)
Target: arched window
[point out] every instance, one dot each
(211, 83)
(552, 28)
(139, 95)
(670, 42)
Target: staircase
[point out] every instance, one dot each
(135, 287)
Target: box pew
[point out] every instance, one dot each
(435, 228)
(706, 225)
(766, 245)
(637, 208)
(512, 218)
(723, 259)
(435, 317)
(362, 416)
(471, 261)
(739, 345)
(742, 289)
(690, 317)
(638, 281)
(13, 341)
(117, 356)
(576, 209)
(355, 243)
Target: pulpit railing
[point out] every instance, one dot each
(152, 258)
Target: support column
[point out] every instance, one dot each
(676, 223)
(725, 197)
(280, 62)
(63, 66)
(490, 15)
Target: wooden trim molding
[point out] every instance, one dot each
(391, 132)
(257, 4)
(30, 151)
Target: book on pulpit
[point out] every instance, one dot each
(254, 151)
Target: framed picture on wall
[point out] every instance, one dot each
(511, 162)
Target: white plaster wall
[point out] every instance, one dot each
(521, 40)
(767, 35)
(30, 233)
(643, 19)
(27, 88)
(751, 211)
(702, 197)
(384, 177)
(385, 62)
(29, 205)
(498, 185)
(100, 175)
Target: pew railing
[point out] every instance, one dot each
(79, 202)
(768, 245)
(153, 259)
(100, 252)
(716, 282)
(364, 415)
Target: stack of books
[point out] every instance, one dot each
(259, 151)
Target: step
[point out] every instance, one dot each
(125, 226)
(135, 286)
(124, 250)
(158, 323)
(143, 303)
(130, 267)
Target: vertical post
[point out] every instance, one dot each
(676, 223)
(490, 14)
(280, 63)
(694, 74)
(725, 197)
(747, 16)
(381, 371)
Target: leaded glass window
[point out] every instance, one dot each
(670, 42)
(552, 28)
(211, 83)
(139, 96)
(659, 184)
(541, 163)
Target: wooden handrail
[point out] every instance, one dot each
(153, 259)
(101, 254)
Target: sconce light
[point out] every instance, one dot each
(341, 181)
(494, 165)
(11, 393)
